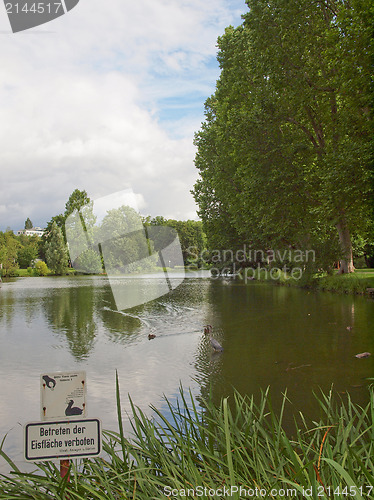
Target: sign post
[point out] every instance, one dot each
(64, 432)
(64, 468)
(63, 394)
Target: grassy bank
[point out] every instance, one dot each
(357, 282)
(231, 446)
(27, 273)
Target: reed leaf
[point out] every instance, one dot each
(240, 444)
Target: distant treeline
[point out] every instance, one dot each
(36, 253)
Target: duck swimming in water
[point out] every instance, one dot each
(208, 329)
(363, 355)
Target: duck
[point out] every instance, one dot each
(151, 336)
(208, 329)
(363, 355)
(73, 410)
(216, 345)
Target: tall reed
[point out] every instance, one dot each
(209, 448)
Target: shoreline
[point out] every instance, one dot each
(361, 282)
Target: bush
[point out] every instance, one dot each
(41, 269)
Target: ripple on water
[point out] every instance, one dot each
(65, 324)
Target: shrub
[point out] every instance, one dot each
(41, 269)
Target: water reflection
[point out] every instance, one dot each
(277, 336)
(288, 339)
(71, 313)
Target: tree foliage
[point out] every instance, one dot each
(123, 242)
(191, 236)
(284, 153)
(77, 200)
(56, 253)
(9, 247)
(17, 252)
(28, 224)
(41, 269)
(89, 262)
(26, 255)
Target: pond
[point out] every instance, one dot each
(275, 336)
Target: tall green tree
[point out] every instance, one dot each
(123, 242)
(28, 250)
(28, 224)
(56, 252)
(26, 255)
(9, 247)
(285, 149)
(77, 200)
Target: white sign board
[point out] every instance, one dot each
(62, 440)
(63, 395)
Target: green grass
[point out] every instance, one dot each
(356, 282)
(243, 444)
(24, 273)
(366, 274)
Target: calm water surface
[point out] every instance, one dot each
(277, 336)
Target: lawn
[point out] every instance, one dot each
(356, 282)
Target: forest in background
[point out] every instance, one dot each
(50, 253)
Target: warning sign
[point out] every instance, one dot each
(63, 395)
(50, 440)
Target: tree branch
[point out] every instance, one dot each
(305, 130)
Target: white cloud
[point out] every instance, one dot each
(106, 98)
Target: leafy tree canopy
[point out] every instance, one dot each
(9, 246)
(285, 152)
(77, 200)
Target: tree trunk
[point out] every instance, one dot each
(346, 263)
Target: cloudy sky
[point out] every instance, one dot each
(106, 98)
